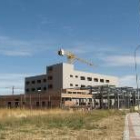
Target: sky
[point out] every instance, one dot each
(104, 32)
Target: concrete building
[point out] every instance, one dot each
(61, 86)
(64, 76)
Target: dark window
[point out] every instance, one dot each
(107, 81)
(44, 88)
(82, 103)
(38, 81)
(9, 104)
(37, 104)
(50, 86)
(44, 80)
(27, 90)
(83, 86)
(76, 76)
(76, 85)
(71, 75)
(33, 89)
(71, 85)
(33, 82)
(39, 89)
(27, 82)
(16, 104)
(89, 78)
(90, 100)
(102, 80)
(82, 78)
(50, 77)
(43, 104)
(50, 69)
(95, 79)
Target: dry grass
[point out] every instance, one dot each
(61, 125)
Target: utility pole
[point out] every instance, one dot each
(136, 73)
(13, 90)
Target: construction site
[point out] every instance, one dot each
(64, 87)
(70, 70)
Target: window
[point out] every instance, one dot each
(82, 78)
(16, 104)
(107, 81)
(76, 85)
(33, 82)
(50, 77)
(27, 82)
(37, 104)
(50, 86)
(102, 80)
(95, 79)
(49, 69)
(89, 78)
(27, 90)
(71, 75)
(33, 89)
(38, 81)
(9, 104)
(83, 86)
(39, 89)
(44, 80)
(76, 76)
(43, 104)
(44, 88)
(71, 85)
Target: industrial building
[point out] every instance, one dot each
(68, 82)
(64, 76)
(102, 96)
(61, 86)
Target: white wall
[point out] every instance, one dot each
(68, 70)
(61, 78)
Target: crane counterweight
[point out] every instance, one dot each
(61, 52)
(72, 57)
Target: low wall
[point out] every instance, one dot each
(41, 100)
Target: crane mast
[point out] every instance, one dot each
(72, 57)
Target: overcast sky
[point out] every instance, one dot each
(105, 32)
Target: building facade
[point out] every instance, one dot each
(64, 76)
(63, 86)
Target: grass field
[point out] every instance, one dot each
(61, 125)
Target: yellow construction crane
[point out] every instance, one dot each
(72, 57)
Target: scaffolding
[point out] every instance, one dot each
(109, 96)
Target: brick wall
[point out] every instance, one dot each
(42, 100)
